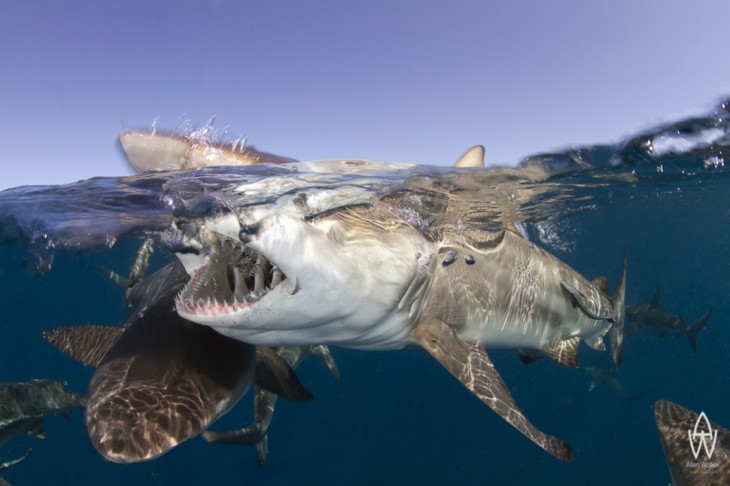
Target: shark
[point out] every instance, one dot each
(24, 406)
(353, 266)
(153, 150)
(653, 316)
(161, 380)
(606, 378)
(256, 434)
(372, 256)
(697, 449)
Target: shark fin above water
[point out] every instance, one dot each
(473, 157)
(469, 363)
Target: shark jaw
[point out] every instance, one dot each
(348, 278)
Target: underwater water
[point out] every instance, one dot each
(398, 417)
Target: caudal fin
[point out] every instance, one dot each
(694, 329)
(616, 334)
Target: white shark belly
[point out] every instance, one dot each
(501, 330)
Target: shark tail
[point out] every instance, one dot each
(616, 334)
(694, 329)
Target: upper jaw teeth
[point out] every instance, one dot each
(235, 277)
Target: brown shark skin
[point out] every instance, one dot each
(160, 384)
(675, 423)
(159, 341)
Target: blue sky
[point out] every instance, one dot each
(385, 80)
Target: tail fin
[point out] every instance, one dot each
(616, 334)
(694, 329)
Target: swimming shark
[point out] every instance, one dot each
(381, 256)
(353, 268)
(607, 378)
(24, 406)
(153, 150)
(653, 316)
(256, 434)
(697, 449)
(161, 380)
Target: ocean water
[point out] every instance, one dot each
(399, 417)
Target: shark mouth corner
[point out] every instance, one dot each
(231, 281)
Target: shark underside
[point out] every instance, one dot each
(160, 379)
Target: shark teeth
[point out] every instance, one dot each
(214, 307)
(233, 279)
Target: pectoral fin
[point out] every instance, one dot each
(87, 344)
(275, 375)
(325, 355)
(9, 464)
(471, 365)
(564, 351)
(36, 429)
(581, 301)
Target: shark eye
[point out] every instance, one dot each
(449, 258)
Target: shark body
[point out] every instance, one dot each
(24, 406)
(654, 317)
(697, 449)
(161, 380)
(342, 264)
(606, 378)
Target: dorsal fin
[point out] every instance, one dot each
(87, 344)
(656, 298)
(473, 157)
(324, 354)
(602, 284)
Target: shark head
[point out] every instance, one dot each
(345, 277)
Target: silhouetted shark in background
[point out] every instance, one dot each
(24, 406)
(653, 316)
(607, 379)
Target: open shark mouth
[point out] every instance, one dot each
(234, 278)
